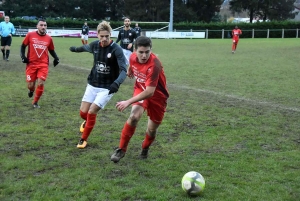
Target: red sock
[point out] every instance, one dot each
(38, 93)
(147, 141)
(233, 47)
(82, 42)
(126, 134)
(83, 115)
(90, 123)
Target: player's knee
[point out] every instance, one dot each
(134, 118)
(151, 132)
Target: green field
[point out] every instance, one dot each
(235, 118)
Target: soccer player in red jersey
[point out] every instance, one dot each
(150, 93)
(37, 60)
(236, 32)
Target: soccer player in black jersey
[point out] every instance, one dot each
(85, 33)
(107, 74)
(127, 35)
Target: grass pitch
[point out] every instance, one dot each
(232, 117)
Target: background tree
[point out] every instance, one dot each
(265, 9)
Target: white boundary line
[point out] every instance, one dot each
(259, 102)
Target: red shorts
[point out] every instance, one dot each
(156, 108)
(235, 40)
(33, 72)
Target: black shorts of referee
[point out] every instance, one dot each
(6, 41)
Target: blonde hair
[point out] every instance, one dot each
(104, 26)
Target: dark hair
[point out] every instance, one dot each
(142, 41)
(41, 19)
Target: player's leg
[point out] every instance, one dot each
(101, 98)
(7, 48)
(3, 47)
(31, 76)
(155, 111)
(42, 73)
(82, 39)
(127, 132)
(86, 39)
(38, 92)
(236, 43)
(233, 46)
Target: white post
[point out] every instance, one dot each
(268, 33)
(252, 33)
(222, 33)
(297, 33)
(282, 33)
(206, 33)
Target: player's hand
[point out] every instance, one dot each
(129, 46)
(122, 105)
(114, 87)
(72, 49)
(55, 62)
(130, 73)
(25, 60)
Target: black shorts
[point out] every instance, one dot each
(6, 41)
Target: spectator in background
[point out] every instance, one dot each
(7, 29)
(85, 33)
(127, 35)
(236, 32)
(138, 30)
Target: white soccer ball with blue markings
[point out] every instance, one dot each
(193, 183)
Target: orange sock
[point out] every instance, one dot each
(38, 93)
(86, 42)
(147, 141)
(90, 123)
(83, 115)
(127, 133)
(82, 42)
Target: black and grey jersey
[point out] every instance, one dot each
(85, 30)
(109, 64)
(126, 37)
(138, 31)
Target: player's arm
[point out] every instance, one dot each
(13, 30)
(122, 65)
(119, 37)
(22, 53)
(84, 48)
(54, 55)
(147, 93)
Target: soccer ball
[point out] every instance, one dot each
(193, 183)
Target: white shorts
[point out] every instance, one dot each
(84, 37)
(96, 95)
(127, 54)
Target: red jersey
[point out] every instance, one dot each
(236, 33)
(38, 47)
(151, 74)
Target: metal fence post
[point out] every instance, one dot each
(268, 33)
(252, 33)
(206, 33)
(222, 33)
(282, 33)
(297, 33)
